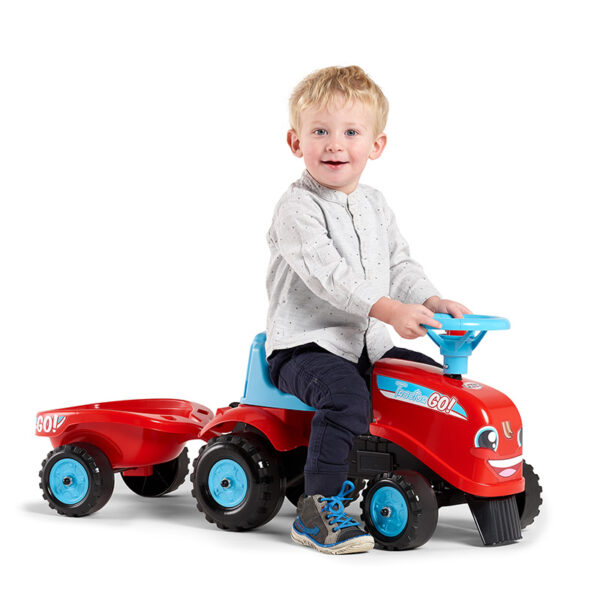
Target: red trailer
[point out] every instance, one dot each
(144, 440)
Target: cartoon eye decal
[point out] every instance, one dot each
(487, 437)
(520, 438)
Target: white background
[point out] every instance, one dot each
(142, 152)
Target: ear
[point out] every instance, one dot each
(294, 143)
(378, 145)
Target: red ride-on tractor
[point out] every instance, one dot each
(436, 439)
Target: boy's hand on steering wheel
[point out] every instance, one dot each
(439, 305)
(406, 319)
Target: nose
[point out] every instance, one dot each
(334, 144)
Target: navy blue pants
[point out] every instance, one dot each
(339, 391)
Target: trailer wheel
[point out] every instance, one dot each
(166, 477)
(399, 510)
(238, 481)
(530, 500)
(76, 480)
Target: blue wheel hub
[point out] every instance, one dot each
(389, 511)
(228, 483)
(69, 481)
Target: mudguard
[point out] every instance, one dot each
(285, 429)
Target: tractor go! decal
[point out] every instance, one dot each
(422, 396)
(49, 423)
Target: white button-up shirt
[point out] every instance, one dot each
(333, 255)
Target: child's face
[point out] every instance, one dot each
(336, 142)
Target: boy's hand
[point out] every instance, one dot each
(406, 319)
(439, 305)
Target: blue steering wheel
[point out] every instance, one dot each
(470, 323)
(459, 341)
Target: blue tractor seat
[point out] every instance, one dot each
(259, 389)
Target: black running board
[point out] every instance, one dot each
(497, 520)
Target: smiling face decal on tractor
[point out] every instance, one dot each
(487, 438)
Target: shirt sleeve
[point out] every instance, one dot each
(301, 236)
(408, 282)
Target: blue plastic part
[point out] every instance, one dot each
(259, 389)
(227, 483)
(457, 349)
(69, 481)
(389, 511)
(470, 323)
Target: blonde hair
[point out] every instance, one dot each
(321, 88)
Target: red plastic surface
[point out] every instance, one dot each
(444, 442)
(138, 433)
(132, 433)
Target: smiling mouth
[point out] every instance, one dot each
(506, 467)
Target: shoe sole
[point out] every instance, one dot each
(362, 543)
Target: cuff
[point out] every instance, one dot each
(422, 291)
(363, 297)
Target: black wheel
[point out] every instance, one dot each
(530, 500)
(238, 481)
(399, 510)
(165, 478)
(76, 480)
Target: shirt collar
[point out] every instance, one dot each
(309, 182)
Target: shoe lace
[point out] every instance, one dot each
(335, 509)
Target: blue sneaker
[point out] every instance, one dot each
(322, 524)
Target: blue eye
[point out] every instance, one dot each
(487, 437)
(351, 132)
(320, 131)
(520, 438)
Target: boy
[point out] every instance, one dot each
(339, 270)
